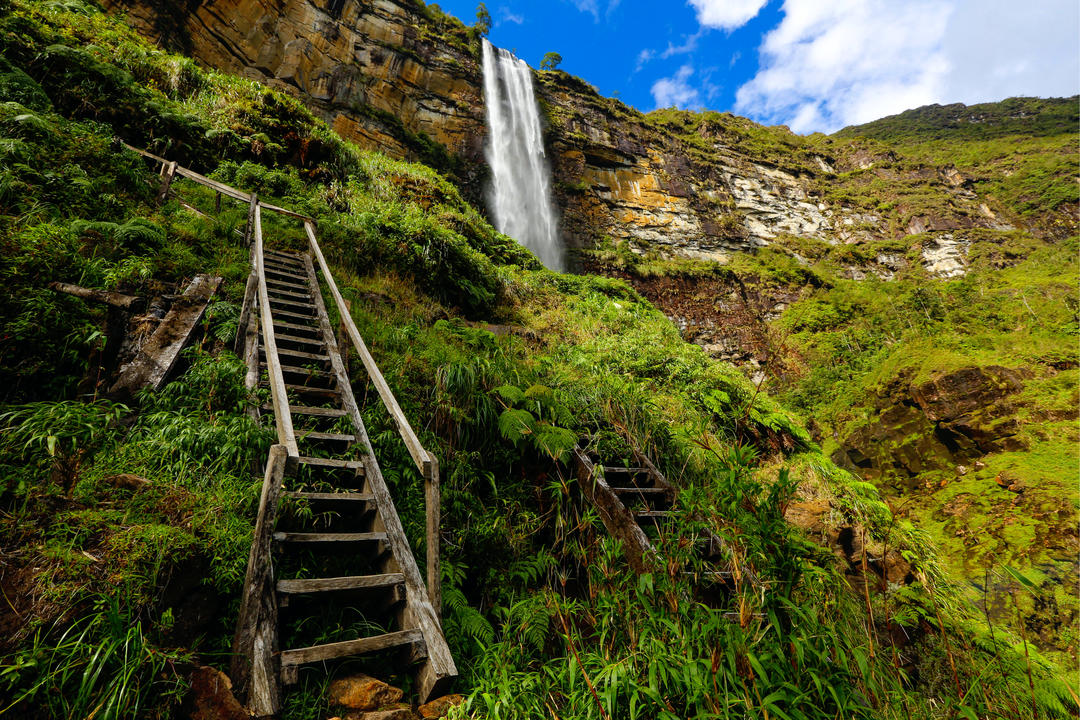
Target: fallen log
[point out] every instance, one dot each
(158, 356)
(118, 300)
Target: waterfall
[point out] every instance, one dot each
(520, 192)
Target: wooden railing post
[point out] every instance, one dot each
(432, 502)
(254, 670)
(168, 172)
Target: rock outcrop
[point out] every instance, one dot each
(941, 424)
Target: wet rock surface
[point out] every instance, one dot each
(935, 425)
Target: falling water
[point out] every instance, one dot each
(520, 195)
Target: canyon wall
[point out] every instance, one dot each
(405, 79)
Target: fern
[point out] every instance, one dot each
(515, 425)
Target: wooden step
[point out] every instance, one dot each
(296, 326)
(277, 271)
(294, 537)
(330, 496)
(296, 339)
(296, 354)
(622, 470)
(314, 411)
(296, 271)
(308, 372)
(317, 653)
(639, 490)
(282, 302)
(275, 293)
(309, 390)
(286, 255)
(332, 463)
(285, 285)
(652, 514)
(329, 436)
(279, 313)
(334, 584)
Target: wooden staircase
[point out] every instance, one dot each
(329, 545)
(330, 570)
(636, 506)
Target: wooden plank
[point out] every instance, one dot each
(437, 671)
(213, 184)
(286, 285)
(282, 417)
(271, 270)
(287, 294)
(639, 490)
(295, 537)
(251, 289)
(283, 211)
(311, 392)
(295, 326)
(308, 372)
(281, 302)
(115, 299)
(254, 669)
(619, 521)
(433, 519)
(292, 315)
(349, 648)
(314, 411)
(334, 584)
(297, 340)
(300, 354)
(156, 358)
(331, 496)
(332, 463)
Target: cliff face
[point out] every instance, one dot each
(404, 78)
(386, 75)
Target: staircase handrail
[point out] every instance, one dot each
(425, 461)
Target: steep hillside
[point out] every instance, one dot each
(125, 527)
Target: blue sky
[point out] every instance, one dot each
(810, 64)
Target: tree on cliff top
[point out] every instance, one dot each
(483, 19)
(551, 61)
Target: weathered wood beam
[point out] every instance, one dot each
(255, 663)
(157, 357)
(118, 300)
(619, 521)
(278, 393)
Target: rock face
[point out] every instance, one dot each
(404, 78)
(211, 698)
(950, 420)
(382, 73)
(360, 692)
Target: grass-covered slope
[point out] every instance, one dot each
(936, 359)
(124, 530)
(985, 121)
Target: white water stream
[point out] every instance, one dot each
(520, 193)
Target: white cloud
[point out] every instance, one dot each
(676, 90)
(643, 57)
(689, 45)
(508, 16)
(1002, 48)
(588, 6)
(727, 14)
(827, 65)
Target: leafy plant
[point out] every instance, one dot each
(64, 432)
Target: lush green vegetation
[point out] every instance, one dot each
(118, 520)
